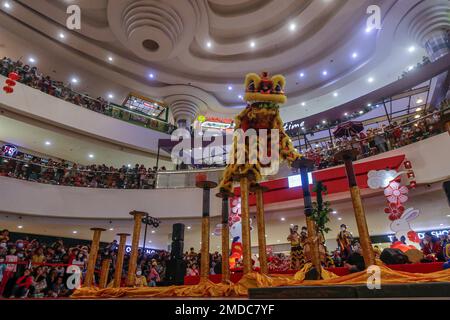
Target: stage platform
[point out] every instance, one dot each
(410, 290)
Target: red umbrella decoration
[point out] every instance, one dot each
(348, 129)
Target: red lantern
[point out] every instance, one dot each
(10, 82)
(8, 89)
(407, 164)
(200, 177)
(413, 184)
(13, 76)
(411, 174)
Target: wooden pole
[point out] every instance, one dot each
(134, 247)
(225, 237)
(119, 260)
(360, 216)
(258, 189)
(104, 273)
(245, 217)
(204, 255)
(92, 257)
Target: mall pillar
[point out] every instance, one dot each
(104, 273)
(88, 281)
(134, 246)
(259, 190)
(225, 236)
(306, 165)
(204, 254)
(360, 216)
(119, 260)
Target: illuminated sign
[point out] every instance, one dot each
(9, 150)
(421, 235)
(147, 250)
(296, 181)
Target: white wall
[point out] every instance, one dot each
(37, 105)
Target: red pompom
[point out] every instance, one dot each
(8, 89)
(10, 82)
(13, 76)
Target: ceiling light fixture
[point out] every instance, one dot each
(189, 227)
(417, 116)
(370, 80)
(74, 231)
(32, 60)
(239, 96)
(354, 55)
(111, 96)
(91, 155)
(6, 5)
(283, 219)
(335, 94)
(230, 88)
(410, 68)
(324, 72)
(252, 44)
(292, 26)
(346, 114)
(74, 80)
(302, 74)
(324, 121)
(303, 104)
(153, 231)
(339, 218)
(368, 30)
(151, 75)
(418, 109)
(110, 59)
(111, 229)
(48, 143)
(361, 112)
(411, 49)
(369, 104)
(209, 44)
(19, 227)
(420, 100)
(149, 241)
(62, 35)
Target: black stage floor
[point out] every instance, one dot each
(410, 290)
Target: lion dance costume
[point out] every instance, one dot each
(263, 96)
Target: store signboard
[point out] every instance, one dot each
(421, 235)
(9, 150)
(147, 250)
(296, 180)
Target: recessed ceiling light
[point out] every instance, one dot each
(339, 218)
(209, 44)
(74, 231)
(411, 49)
(32, 60)
(212, 233)
(448, 216)
(368, 30)
(252, 44)
(230, 88)
(354, 55)
(324, 72)
(302, 74)
(6, 5)
(334, 212)
(149, 241)
(91, 155)
(74, 80)
(370, 80)
(48, 143)
(335, 94)
(111, 96)
(292, 26)
(110, 59)
(189, 227)
(19, 227)
(324, 121)
(369, 104)
(151, 75)
(419, 101)
(61, 35)
(283, 219)
(239, 96)
(153, 231)
(346, 114)
(111, 229)
(361, 112)
(410, 68)
(303, 104)
(441, 224)
(417, 116)
(278, 240)
(418, 109)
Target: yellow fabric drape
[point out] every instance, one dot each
(257, 280)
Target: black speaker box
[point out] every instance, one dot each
(178, 232)
(177, 249)
(175, 271)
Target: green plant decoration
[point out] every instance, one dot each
(321, 209)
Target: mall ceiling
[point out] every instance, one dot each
(201, 49)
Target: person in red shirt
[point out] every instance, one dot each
(431, 248)
(22, 285)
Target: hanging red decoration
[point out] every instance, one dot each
(13, 76)
(10, 82)
(407, 164)
(413, 184)
(8, 89)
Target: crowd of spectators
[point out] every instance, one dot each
(376, 140)
(22, 166)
